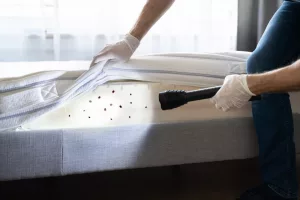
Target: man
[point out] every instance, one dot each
(270, 74)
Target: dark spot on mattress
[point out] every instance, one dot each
(83, 110)
(130, 102)
(130, 94)
(111, 104)
(129, 117)
(113, 91)
(99, 97)
(89, 117)
(69, 115)
(104, 109)
(90, 101)
(120, 106)
(145, 106)
(110, 118)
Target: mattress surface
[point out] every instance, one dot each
(45, 88)
(122, 103)
(132, 103)
(127, 103)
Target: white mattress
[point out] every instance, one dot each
(130, 103)
(45, 91)
(139, 99)
(66, 141)
(127, 103)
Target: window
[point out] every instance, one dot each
(35, 30)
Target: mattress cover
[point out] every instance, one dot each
(45, 91)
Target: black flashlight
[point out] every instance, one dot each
(175, 98)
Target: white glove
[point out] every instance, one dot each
(233, 93)
(121, 51)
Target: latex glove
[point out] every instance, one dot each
(121, 51)
(233, 93)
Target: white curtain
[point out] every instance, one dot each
(34, 30)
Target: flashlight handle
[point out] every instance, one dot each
(175, 98)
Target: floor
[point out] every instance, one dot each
(212, 181)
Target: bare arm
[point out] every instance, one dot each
(151, 12)
(281, 80)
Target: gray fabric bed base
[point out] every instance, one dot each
(32, 154)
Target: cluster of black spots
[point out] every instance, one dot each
(99, 97)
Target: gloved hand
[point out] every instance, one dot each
(233, 93)
(121, 51)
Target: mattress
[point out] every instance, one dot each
(44, 91)
(47, 89)
(126, 104)
(132, 103)
(120, 125)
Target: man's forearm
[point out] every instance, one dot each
(281, 80)
(151, 12)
